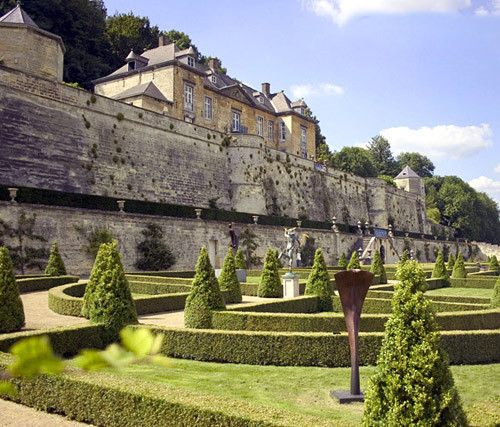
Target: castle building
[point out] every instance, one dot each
(170, 81)
(26, 47)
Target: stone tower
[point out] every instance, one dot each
(26, 47)
(408, 180)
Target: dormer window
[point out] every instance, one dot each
(190, 61)
(261, 99)
(302, 111)
(131, 65)
(214, 79)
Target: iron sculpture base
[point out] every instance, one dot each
(345, 396)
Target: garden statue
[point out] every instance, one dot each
(292, 247)
(234, 238)
(352, 287)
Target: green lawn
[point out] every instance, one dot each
(305, 390)
(462, 292)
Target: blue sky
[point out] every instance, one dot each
(423, 73)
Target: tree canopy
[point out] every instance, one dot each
(421, 164)
(381, 153)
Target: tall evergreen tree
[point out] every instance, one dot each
(205, 295)
(270, 282)
(459, 268)
(228, 280)
(11, 306)
(378, 268)
(342, 262)
(107, 297)
(55, 266)
(493, 264)
(451, 262)
(154, 254)
(354, 262)
(413, 384)
(318, 283)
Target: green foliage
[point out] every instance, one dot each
(342, 262)
(493, 264)
(318, 283)
(380, 150)
(23, 254)
(440, 271)
(421, 164)
(11, 306)
(404, 258)
(279, 264)
(495, 299)
(451, 262)
(413, 384)
(270, 282)
(107, 297)
(248, 240)
(354, 262)
(434, 215)
(205, 295)
(378, 268)
(228, 280)
(34, 356)
(154, 254)
(459, 268)
(239, 260)
(389, 180)
(355, 160)
(55, 266)
(94, 238)
(308, 251)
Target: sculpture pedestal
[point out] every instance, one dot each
(345, 396)
(290, 285)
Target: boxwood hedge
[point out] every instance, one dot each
(31, 284)
(483, 282)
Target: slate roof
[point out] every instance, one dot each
(145, 89)
(407, 172)
(276, 103)
(18, 16)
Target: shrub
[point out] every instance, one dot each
(155, 255)
(495, 299)
(107, 297)
(318, 283)
(459, 268)
(205, 294)
(270, 282)
(440, 271)
(342, 262)
(451, 262)
(11, 306)
(55, 266)
(378, 269)
(279, 264)
(493, 264)
(404, 258)
(228, 280)
(354, 262)
(95, 237)
(413, 384)
(239, 260)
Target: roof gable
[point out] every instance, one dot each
(18, 16)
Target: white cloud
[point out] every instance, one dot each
(341, 11)
(481, 11)
(447, 141)
(321, 89)
(492, 7)
(487, 185)
(497, 169)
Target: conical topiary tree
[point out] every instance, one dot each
(11, 306)
(404, 257)
(228, 280)
(354, 262)
(239, 260)
(205, 295)
(107, 297)
(318, 283)
(270, 283)
(55, 266)
(459, 268)
(342, 262)
(276, 257)
(493, 264)
(495, 299)
(451, 262)
(413, 384)
(440, 271)
(378, 268)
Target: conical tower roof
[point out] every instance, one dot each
(407, 172)
(18, 16)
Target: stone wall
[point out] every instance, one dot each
(61, 138)
(185, 237)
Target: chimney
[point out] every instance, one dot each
(163, 40)
(214, 64)
(266, 89)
